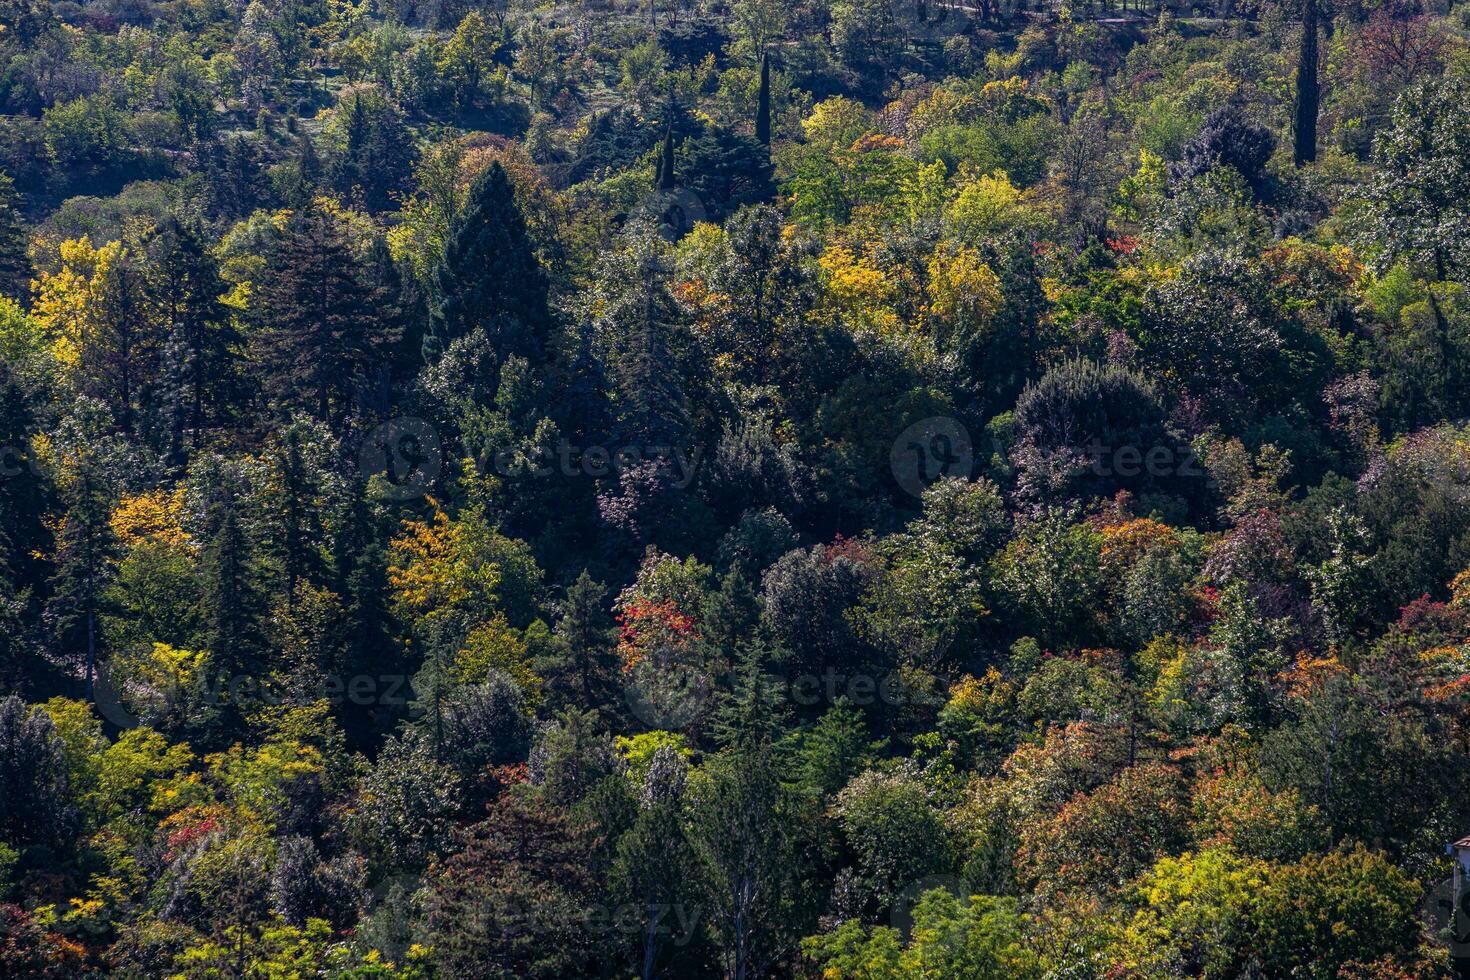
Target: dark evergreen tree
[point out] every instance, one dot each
(1230, 139)
(84, 549)
(38, 804)
(581, 666)
(763, 103)
(728, 170)
(490, 273)
(1308, 95)
(15, 265)
(232, 606)
(320, 334)
(361, 579)
(202, 346)
(391, 155)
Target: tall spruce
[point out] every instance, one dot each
(490, 270)
(202, 345)
(83, 568)
(15, 266)
(321, 334)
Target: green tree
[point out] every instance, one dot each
(489, 277)
(320, 334)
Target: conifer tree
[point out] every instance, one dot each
(490, 270)
(83, 566)
(650, 396)
(1308, 93)
(231, 597)
(583, 663)
(666, 161)
(320, 334)
(202, 346)
(15, 265)
(121, 354)
(763, 104)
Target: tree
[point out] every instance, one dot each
(1417, 193)
(582, 670)
(763, 103)
(36, 801)
(513, 901)
(1307, 90)
(15, 265)
(489, 277)
(83, 568)
(320, 334)
(231, 600)
(202, 344)
(746, 834)
(654, 867)
(728, 170)
(897, 831)
(120, 350)
(406, 806)
(1229, 139)
(805, 597)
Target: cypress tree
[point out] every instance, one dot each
(490, 270)
(15, 266)
(1307, 91)
(763, 104)
(666, 161)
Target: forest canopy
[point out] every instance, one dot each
(856, 489)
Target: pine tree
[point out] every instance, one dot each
(202, 346)
(763, 104)
(650, 396)
(121, 354)
(584, 661)
(15, 266)
(391, 156)
(83, 567)
(395, 324)
(751, 714)
(231, 600)
(320, 334)
(490, 270)
(361, 579)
